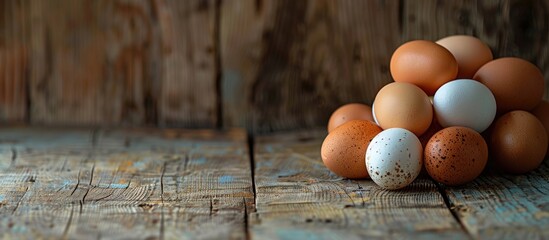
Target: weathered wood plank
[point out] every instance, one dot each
(132, 184)
(188, 95)
(288, 64)
(90, 61)
(14, 45)
(497, 206)
(297, 197)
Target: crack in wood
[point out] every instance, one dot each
(20, 200)
(452, 210)
(13, 156)
(89, 187)
(69, 223)
(77, 183)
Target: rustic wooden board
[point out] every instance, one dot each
(132, 184)
(297, 197)
(14, 44)
(497, 206)
(289, 64)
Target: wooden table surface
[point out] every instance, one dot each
(207, 184)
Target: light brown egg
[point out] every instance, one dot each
(518, 142)
(542, 113)
(516, 83)
(348, 112)
(403, 105)
(455, 155)
(470, 53)
(344, 149)
(423, 63)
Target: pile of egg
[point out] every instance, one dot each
(451, 105)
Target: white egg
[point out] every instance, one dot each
(465, 103)
(394, 158)
(374, 114)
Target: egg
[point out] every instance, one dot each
(423, 63)
(466, 103)
(403, 105)
(516, 83)
(347, 112)
(344, 149)
(518, 142)
(542, 113)
(470, 53)
(455, 155)
(394, 158)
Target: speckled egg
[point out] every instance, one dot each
(344, 148)
(456, 155)
(394, 158)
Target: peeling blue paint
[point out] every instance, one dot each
(201, 160)
(119, 185)
(2, 197)
(296, 234)
(225, 179)
(139, 164)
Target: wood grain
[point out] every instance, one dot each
(288, 64)
(89, 61)
(132, 184)
(497, 206)
(188, 95)
(14, 45)
(297, 197)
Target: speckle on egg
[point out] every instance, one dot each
(451, 155)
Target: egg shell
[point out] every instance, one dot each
(347, 112)
(394, 158)
(456, 155)
(542, 113)
(423, 63)
(403, 105)
(518, 142)
(466, 103)
(344, 149)
(470, 53)
(516, 83)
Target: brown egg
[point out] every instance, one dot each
(516, 83)
(403, 105)
(423, 63)
(455, 155)
(518, 142)
(470, 53)
(344, 149)
(347, 112)
(542, 113)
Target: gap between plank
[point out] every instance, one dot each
(251, 142)
(446, 199)
(217, 63)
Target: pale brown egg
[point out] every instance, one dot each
(455, 155)
(403, 105)
(423, 63)
(470, 53)
(344, 149)
(348, 112)
(518, 142)
(542, 113)
(516, 83)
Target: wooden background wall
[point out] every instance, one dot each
(262, 64)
